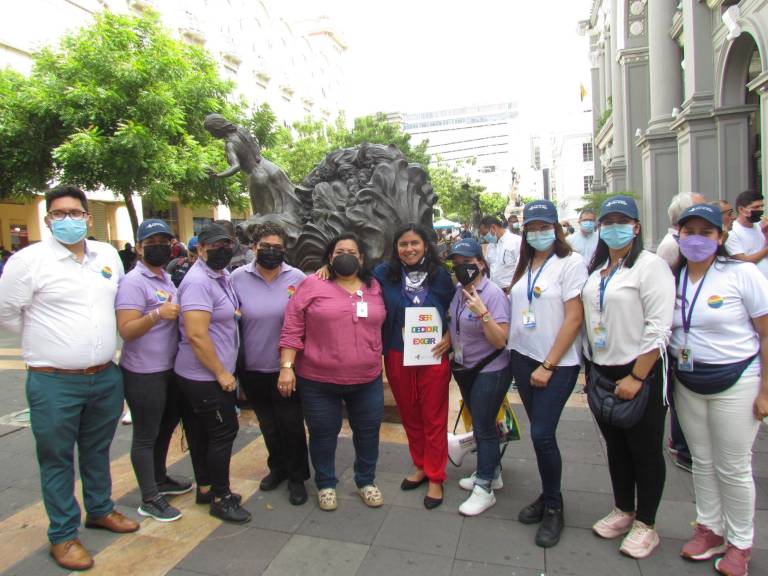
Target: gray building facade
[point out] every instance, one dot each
(679, 94)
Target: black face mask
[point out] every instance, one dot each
(345, 265)
(466, 273)
(219, 258)
(269, 258)
(755, 216)
(157, 254)
(420, 266)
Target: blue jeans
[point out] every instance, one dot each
(322, 411)
(68, 409)
(483, 399)
(544, 407)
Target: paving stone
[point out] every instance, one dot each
(581, 450)
(307, 556)
(273, 512)
(433, 533)
(502, 542)
(586, 477)
(351, 522)
(581, 552)
(666, 560)
(234, 549)
(464, 568)
(389, 562)
(15, 498)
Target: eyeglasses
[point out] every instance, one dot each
(728, 212)
(267, 246)
(61, 214)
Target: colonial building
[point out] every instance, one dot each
(294, 65)
(679, 95)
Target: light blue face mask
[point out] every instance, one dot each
(490, 238)
(587, 226)
(68, 231)
(541, 240)
(617, 235)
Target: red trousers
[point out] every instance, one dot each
(421, 393)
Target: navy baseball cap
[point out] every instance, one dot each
(192, 244)
(620, 205)
(540, 210)
(706, 212)
(467, 247)
(151, 227)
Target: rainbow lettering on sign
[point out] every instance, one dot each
(425, 317)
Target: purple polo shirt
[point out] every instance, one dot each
(142, 290)
(262, 305)
(207, 290)
(471, 337)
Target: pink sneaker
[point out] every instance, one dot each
(615, 524)
(735, 562)
(640, 542)
(704, 545)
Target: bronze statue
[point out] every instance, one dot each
(369, 189)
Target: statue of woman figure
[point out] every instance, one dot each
(270, 190)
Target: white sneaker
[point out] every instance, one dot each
(468, 483)
(478, 502)
(127, 419)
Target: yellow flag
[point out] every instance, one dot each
(583, 92)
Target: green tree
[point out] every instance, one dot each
(594, 200)
(119, 105)
(454, 193)
(493, 204)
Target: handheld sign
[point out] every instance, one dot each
(423, 331)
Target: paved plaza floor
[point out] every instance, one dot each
(400, 538)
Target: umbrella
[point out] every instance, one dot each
(445, 223)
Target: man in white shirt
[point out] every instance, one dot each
(747, 238)
(503, 251)
(60, 294)
(585, 240)
(668, 249)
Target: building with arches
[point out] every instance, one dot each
(679, 99)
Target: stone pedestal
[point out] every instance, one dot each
(659, 155)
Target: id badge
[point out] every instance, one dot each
(458, 354)
(361, 310)
(600, 336)
(685, 360)
(529, 318)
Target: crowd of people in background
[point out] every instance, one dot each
(686, 327)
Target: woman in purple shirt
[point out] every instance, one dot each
(264, 288)
(332, 332)
(479, 325)
(205, 368)
(147, 315)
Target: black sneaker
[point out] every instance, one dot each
(228, 509)
(160, 510)
(533, 513)
(207, 498)
(551, 527)
(297, 493)
(271, 481)
(173, 487)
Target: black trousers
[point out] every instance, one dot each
(212, 431)
(282, 423)
(156, 408)
(636, 455)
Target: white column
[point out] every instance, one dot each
(699, 55)
(665, 69)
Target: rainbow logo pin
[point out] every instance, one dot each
(537, 291)
(162, 295)
(715, 301)
(106, 272)
(291, 291)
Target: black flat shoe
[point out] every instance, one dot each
(207, 497)
(533, 513)
(271, 481)
(432, 503)
(551, 527)
(412, 484)
(297, 493)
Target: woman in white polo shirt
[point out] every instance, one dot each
(719, 338)
(544, 336)
(628, 303)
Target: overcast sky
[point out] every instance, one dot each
(418, 55)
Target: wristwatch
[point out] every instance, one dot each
(288, 365)
(548, 366)
(486, 317)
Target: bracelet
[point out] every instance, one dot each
(155, 315)
(548, 366)
(636, 377)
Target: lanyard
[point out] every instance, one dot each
(535, 279)
(222, 282)
(687, 319)
(604, 284)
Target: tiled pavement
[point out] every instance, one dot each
(401, 538)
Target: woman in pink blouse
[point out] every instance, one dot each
(330, 351)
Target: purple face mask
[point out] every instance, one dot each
(697, 248)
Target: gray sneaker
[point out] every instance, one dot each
(160, 510)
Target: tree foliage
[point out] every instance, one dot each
(119, 105)
(455, 194)
(594, 200)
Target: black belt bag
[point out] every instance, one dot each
(464, 376)
(609, 408)
(712, 378)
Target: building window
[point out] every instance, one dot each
(588, 182)
(587, 154)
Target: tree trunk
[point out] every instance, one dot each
(128, 197)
